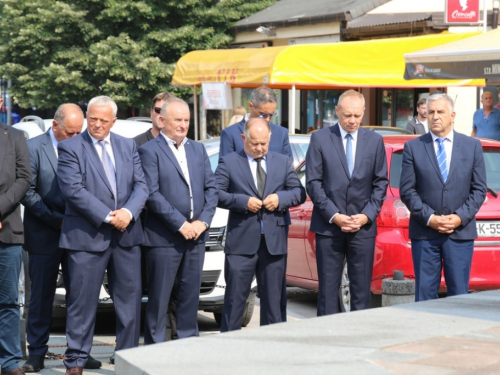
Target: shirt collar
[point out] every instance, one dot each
(449, 136)
(343, 133)
(107, 139)
(55, 142)
(172, 142)
(250, 158)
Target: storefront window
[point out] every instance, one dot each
(395, 107)
(318, 107)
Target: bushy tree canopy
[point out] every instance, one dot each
(65, 51)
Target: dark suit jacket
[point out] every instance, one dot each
(230, 140)
(236, 186)
(425, 193)
(169, 205)
(43, 203)
(88, 195)
(331, 189)
(415, 127)
(15, 180)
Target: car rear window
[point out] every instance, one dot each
(491, 160)
(395, 170)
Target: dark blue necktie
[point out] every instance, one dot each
(441, 158)
(348, 154)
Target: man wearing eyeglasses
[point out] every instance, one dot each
(152, 133)
(262, 104)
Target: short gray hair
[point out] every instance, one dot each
(438, 96)
(61, 112)
(168, 102)
(102, 101)
(250, 122)
(351, 93)
(262, 95)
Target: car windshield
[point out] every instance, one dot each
(491, 160)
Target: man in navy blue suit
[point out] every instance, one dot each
(43, 217)
(181, 204)
(346, 173)
(443, 184)
(102, 183)
(257, 187)
(262, 104)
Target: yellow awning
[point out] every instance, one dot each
(372, 63)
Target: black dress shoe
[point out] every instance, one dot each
(112, 359)
(92, 363)
(33, 364)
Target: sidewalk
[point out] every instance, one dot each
(457, 335)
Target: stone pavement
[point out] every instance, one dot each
(457, 335)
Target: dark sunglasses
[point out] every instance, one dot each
(266, 115)
(157, 109)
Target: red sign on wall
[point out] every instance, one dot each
(462, 11)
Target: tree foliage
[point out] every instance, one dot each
(69, 50)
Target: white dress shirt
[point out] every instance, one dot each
(448, 147)
(55, 142)
(180, 155)
(253, 167)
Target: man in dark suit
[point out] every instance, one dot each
(181, 204)
(419, 124)
(257, 187)
(262, 104)
(443, 184)
(102, 182)
(141, 139)
(15, 178)
(346, 173)
(43, 217)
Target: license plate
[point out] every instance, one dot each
(488, 228)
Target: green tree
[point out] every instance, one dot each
(65, 51)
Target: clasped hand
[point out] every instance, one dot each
(351, 223)
(120, 219)
(271, 203)
(191, 231)
(445, 223)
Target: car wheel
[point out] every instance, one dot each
(247, 314)
(344, 291)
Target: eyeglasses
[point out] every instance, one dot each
(266, 115)
(157, 109)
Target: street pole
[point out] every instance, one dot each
(494, 21)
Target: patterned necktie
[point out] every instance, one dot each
(441, 158)
(261, 178)
(108, 167)
(348, 154)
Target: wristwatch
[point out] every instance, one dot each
(206, 225)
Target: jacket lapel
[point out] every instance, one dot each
(245, 169)
(361, 145)
(162, 143)
(339, 147)
(48, 149)
(4, 139)
(456, 150)
(94, 158)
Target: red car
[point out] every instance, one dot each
(392, 245)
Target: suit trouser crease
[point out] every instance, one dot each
(239, 272)
(43, 271)
(163, 265)
(430, 257)
(86, 271)
(10, 268)
(330, 255)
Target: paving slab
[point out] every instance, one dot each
(455, 335)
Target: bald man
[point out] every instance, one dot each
(257, 187)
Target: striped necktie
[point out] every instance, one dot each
(441, 158)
